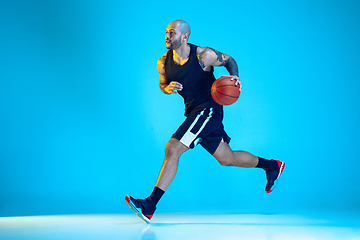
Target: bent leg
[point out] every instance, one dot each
(173, 151)
(145, 208)
(228, 157)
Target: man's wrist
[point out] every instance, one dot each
(164, 89)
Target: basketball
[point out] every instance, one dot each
(224, 91)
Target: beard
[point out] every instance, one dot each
(175, 44)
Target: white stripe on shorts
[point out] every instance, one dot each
(189, 137)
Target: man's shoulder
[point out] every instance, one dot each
(163, 57)
(161, 60)
(161, 64)
(204, 51)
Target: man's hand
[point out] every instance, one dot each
(174, 87)
(238, 82)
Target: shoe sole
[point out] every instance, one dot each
(134, 208)
(282, 166)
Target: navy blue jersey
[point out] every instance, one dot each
(196, 82)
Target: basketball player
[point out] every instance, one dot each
(187, 70)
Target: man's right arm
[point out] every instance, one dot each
(166, 87)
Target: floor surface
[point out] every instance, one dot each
(182, 226)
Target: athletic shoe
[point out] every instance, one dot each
(142, 207)
(272, 175)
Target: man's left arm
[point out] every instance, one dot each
(231, 66)
(211, 57)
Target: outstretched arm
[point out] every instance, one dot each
(167, 88)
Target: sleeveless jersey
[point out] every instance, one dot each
(196, 82)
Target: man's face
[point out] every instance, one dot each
(173, 37)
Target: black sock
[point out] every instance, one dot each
(263, 163)
(156, 195)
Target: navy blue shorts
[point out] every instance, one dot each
(204, 127)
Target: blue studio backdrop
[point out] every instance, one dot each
(83, 121)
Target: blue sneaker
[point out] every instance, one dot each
(142, 207)
(273, 174)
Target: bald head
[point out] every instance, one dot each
(182, 25)
(177, 34)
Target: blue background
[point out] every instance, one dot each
(83, 122)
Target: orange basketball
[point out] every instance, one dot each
(224, 91)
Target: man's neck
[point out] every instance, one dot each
(181, 54)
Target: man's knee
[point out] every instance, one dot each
(174, 148)
(224, 155)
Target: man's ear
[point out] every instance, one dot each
(186, 36)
